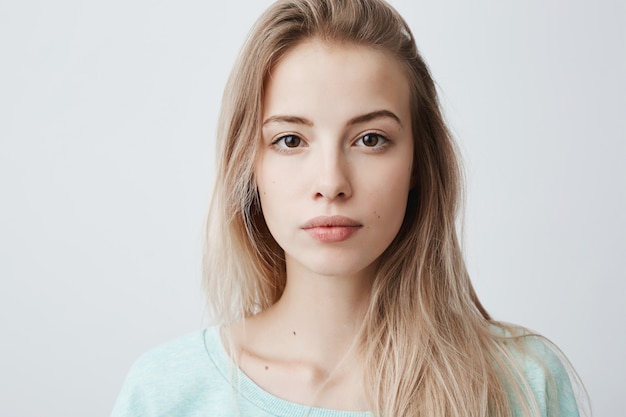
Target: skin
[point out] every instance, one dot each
(336, 141)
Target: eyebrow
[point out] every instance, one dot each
(288, 119)
(378, 114)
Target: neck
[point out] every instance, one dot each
(324, 310)
(317, 319)
(305, 348)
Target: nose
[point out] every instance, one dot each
(332, 180)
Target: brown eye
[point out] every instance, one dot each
(291, 141)
(288, 143)
(371, 139)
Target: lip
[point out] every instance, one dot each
(331, 229)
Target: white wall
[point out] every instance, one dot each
(107, 115)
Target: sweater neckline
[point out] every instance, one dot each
(256, 395)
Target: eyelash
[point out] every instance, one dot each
(279, 143)
(379, 146)
(280, 146)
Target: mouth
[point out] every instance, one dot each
(331, 229)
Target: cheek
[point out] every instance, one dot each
(391, 197)
(274, 193)
(278, 178)
(264, 179)
(269, 175)
(393, 206)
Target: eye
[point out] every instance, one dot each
(291, 141)
(372, 140)
(288, 141)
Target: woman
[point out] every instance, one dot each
(332, 266)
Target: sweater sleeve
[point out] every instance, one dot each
(549, 380)
(131, 401)
(171, 380)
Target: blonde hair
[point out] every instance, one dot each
(430, 346)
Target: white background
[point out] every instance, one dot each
(107, 121)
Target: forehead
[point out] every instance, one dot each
(330, 78)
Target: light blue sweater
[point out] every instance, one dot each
(191, 377)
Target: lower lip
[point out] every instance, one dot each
(332, 234)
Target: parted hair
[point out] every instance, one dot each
(430, 347)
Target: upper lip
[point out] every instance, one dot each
(330, 221)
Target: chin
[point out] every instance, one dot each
(341, 268)
(332, 262)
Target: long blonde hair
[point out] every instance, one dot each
(430, 346)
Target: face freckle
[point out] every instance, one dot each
(318, 192)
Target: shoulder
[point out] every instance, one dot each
(172, 378)
(543, 369)
(171, 358)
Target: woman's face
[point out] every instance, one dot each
(334, 167)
